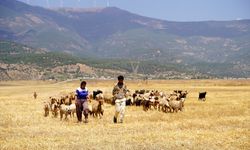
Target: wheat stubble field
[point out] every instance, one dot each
(221, 122)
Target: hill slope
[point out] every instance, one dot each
(21, 62)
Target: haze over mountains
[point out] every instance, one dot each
(214, 48)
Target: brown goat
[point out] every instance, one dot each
(46, 109)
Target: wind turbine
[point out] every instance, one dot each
(107, 3)
(78, 4)
(47, 3)
(28, 1)
(61, 3)
(93, 3)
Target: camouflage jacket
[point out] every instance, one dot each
(120, 91)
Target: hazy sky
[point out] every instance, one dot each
(173, 10)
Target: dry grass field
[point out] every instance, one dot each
(221, 122)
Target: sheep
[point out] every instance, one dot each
(137, 99)
(55, 109)
(128, 102)
(156, 102)
(183, 94)
(146, 104)
(99, 97)
(46, 109)
(95, 93)
(72, 108)
(72, 97)
(96, 109)
(63, 111)
(176, 105)
(202, 96)
(65, 100)
(164, 104)
(35, 95)
(149, 100)
(53, 100)
(67, 110)
(174, 97)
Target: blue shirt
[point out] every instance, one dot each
(82, 93)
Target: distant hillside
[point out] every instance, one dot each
(21, 62)
(216, 48)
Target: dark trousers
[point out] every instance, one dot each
(82, 107)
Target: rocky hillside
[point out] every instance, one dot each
(21, 62)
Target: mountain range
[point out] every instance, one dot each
(215, 48)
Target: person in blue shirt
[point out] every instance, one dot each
(82, 102)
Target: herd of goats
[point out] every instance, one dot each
(64, 104)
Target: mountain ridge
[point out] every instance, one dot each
(107, 33)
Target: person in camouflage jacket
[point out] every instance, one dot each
(119, 93)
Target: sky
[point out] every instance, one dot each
(172, 10)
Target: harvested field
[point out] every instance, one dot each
(221, 122)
